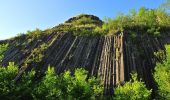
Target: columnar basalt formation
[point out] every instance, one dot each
(112, 57)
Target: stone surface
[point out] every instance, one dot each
(111, 57)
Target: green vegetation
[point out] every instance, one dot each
(35, 33)
(149, 21)
(9, 89)
(52, 86)
(84, 19)
(3, 48)
(82, 25)
(162, 76)
(160, 55)
(166, 6)
(132, 90)
(67, 87)
(38, 53)
(80, 30)
(79, 85)
(64, 86)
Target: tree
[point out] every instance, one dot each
(65, 86)
(48, 88)
(132, 90)
(84, 87)
(166, 5)
(162, 76)
(10, 89)
(7, 74)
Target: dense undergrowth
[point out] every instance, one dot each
(63, 87)
(132, 90)
(150, 21)
(50, 87)
(162, 76)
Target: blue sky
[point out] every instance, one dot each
(18, 16)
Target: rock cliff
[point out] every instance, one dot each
(112, 57)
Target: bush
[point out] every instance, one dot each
(24, 87)
(65, 86)
(84, 87)
(3, 48)
(83, 21)
(9, 89)
(35, 33)
(37, 54)
(6, 80)
(162, 76)
(145, 20)
(132, 90)
(48, 87)
(160, 55)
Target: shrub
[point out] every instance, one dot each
(84, 87)
(37, 53)
(65, 86)
(24, 87)
(145, 20)
(6, 80)
(160, 55)
(162, 76)
(83, 21)
(132, 90)
(3, 48)
(35, 33)
(10, 89)
(48, 88)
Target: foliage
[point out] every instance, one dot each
(48, 88)
(66, 86)
(6, 79)
(37, 53)
(145, 20)
(160, 55)
(3, 48)
(9, 89)
(82, 25)
(84, 88)
(132, 90)
(84, 21)
(80, 30)
(162, 76)
(166, 5)
(52, 86)
(35, 33)
(150, 21)
(24, 87)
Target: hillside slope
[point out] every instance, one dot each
(112, 57)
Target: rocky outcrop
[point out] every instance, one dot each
(112, 57)
(93, 19)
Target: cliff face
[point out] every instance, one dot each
(111, 57)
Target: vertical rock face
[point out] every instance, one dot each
(139, 56)
(112, 57)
